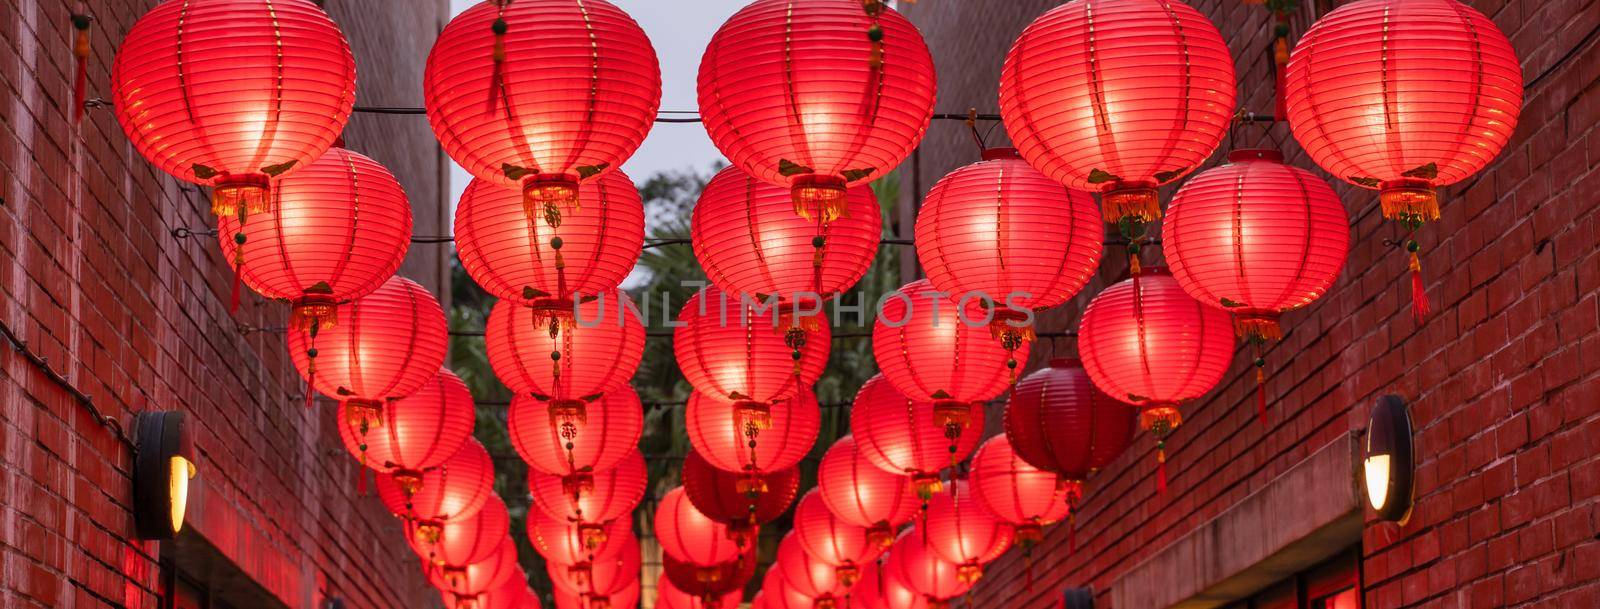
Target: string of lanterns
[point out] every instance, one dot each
(543, 101)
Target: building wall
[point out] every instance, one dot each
(1502, 380)
(92, 277)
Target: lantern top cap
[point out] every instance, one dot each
(1155, 269)
(1255, 154)
(1066, 362)
(996, 154)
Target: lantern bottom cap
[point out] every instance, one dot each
(250, 193)
(1409, 200)
(818, 197)
(548, 195)
(1136, 200)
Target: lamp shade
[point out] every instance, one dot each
(606, 576)
(741, 500)
(863, 494)
(594, 350)
(477, 577)
(728, 349)
(668, 596)
(387, 345)
(564, 542)
(902, 436)
(833, 541)
(510, 594)
(415, 432)
(806, 574)
(961, 531)
(463, 541)
(556, 444)
(454, 490)
(935, 349)
(689, 536)
(1015, 492)
(912, 562)
(1058, 421)
(230, 93)
(783, 431)
(708, 582)
(594, 498)
(880, 589)
(627, 599)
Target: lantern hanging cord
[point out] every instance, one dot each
(662, 116)
(83, 399)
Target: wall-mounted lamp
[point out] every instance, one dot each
(1388, 461)
(162, 467)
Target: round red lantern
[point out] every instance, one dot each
(911, 437)
(1153, 83)
(816, 96)
(688, 535)
(463, 541)
(591, 500)
(217, 108)
(386, 345)
(543, 95)
(1000, 230)
(628, 598)
(880, 589)
(961, 531)
(749, 243)
(610, 431)
(566, 361)
(914, 563)
(1382, 59)
(806, 574)
(862, 494)
(415, 432)
(668, 596)
(708, 582)
(1058, 421)
(783, 430)
(478, 577)
(454, 490)
(510, 594)
(778, 594)
(1148, 343)
(934, 349)
(1015, 492)
(730, 349)
(563, 542)
(339, 228)
(833, 541)
(601, 576)
(524, 260)
(742, 500)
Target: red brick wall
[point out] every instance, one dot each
(92, 278)
(1504, 379)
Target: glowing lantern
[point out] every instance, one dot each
(742, 500)
(602, 576)
(453, 491)
(795, 95)
(520, 259)
(961, 531)
(563, 542)
(689, 536)
(567, 362)
(1138, 119)
(542, 94)
(915, 564)
(806, 574)
(217, 108)
(1147, 343)
(721, 432)
(415, 432)
(833, 541)
(510, 594)
(708, 582)
(902, 436)
(466, 540)
(591, 501)
(628, 598)
(1017, 493)
(778, 594)
(339, 228)
(668, 596)
(750, 244)
(1367, 103)
(611, 429)
(477, 577)
(862, 494)
(880, 589)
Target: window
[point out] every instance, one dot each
(1335, 584)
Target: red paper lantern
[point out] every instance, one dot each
(961, 531)
(230, 93)
(729, 349)
(1147, 343)
(478, 577)
(778, 594)
(1002, 230)
(688, 535)
(708, 582)
(592, 500)
(806, 574)
(455, 490)
(784, 431)
(740, 500)
(833, 541)
(510, 594)
(602, 576)
(749, 243)
(565, 361)
(542, 94)
(627, 599)
(939, 350)
(1015, 492)
(862, 494)
(610, 431)
(564, 542)
(880, 589)
(1058, 421)
(798, 94)
(1151, 87)
(911, 561)
(903, 436)
(668, 596)
(386, 345)
(524, 260)
(463, 541)
(415, 432)
(339, 228)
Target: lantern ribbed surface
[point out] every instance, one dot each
(750, 242)
(713, 581)
(415, 432)
(912, 562)
(464, 541)
(789, 93)
(1146, 342)
(1118, 97)
(612, 494)
(1002, 228)
(833, 541)
(1256, 237)
(719, 432)
(603, 576)
(575, 95)
(688, 535)
(513, 593)
(609, 432)
(1403, 96)
(668, 596)
(725, 496)
(900, 435)
(226, 93)
(961, 531)
(863, 494)
(516, 258)
(1057, 420)
(589, 354)
(626, 599)
(778, 594)
(454, 490)
(565, 543)
(339, 228)
(880, 589)
(934, 348)
(736, 353)
(478, 577)
(803, 573)
(1015, 492)
(386, 345)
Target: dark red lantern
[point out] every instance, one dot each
(386, 345)
(936, 349)
(525, 260)
(339, 228)
(880, 589)
(806, 574)
(542, 95)
(592, 499)
(602, 576)
(688, 535)
(1152, 85)
(1146, 342)
(708, 582)
(565, 358)
(627, 599)
(816, 96)
(863, 494)
(510, 594)
(1001, 230)
(231, 93)
(912, 562)
(478, 577)
(564, 542)
(833, 541)
(668, 596)
(741, 500)
(1015, 492)
(610, 430)
(415, 432)
(463, 541)
(454, 490)
(749, 243)
(961, 531)
(721, 431)
(910, 437)
(1367, 102)
(1059, 422)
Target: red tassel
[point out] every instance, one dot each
(1072, 534)
(233, 300)
(1419, 296)
(497, 79)
(1261, 394)
(1161, 471)
(1027, 557)
(361, 481)
(80, 82)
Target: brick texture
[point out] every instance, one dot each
(1503, 380)
(92, 278)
